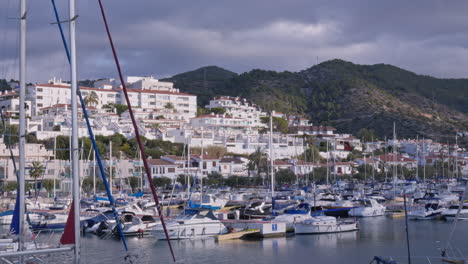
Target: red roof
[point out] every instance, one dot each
(215, 116)
(160, 162)
(205, 157)
(281, 163)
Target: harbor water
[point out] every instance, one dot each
(379, 236)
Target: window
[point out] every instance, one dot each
(39, 89)
(38, 97)
(110, 96)
(204, 165)
(51, 171)
(39, 105)
(171, 170)
(214, 163)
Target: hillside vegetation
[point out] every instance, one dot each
(346, 95)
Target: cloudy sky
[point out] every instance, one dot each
(162, 38)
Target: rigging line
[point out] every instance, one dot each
(137, 133)
(91, 136)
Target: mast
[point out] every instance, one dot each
(22, 126)
(335, 170)
(328, 156)
(394, 160)
(271, 159)
(455, 167)
(201, 169)
(94, 173)
(188, 166)
(74, 109)
(424, 158)
(110, 165)
(55, 158)
(417, 157)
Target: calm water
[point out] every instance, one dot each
(378, 236)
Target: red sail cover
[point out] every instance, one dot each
(68, 236)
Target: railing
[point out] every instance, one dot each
(417, 260)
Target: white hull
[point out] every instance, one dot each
(325, 225)
(366, 211)
(189, 231)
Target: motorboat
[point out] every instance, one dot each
(429, 212)
(367, 208)
(133, 225)
(208, 201)
(191, 226)
(451, 212)
(325, 224)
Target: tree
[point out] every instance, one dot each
(258, 161)
(11, 186)
(366, 135)
(120, 108)
(213, 179)
(88, 184)
(216, 110)
(319, 174)
(161, 181)
(49, 184)
(134, 182)
(182, 179)
(212, 151)
(169, 105)
(11, 132)
(311, 154)
(35, 172)
(91, 99)
(285, 176)
(201, 111)
(279, 124)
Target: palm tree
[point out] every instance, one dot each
(91, 99)
(258, 161)
(35, 172)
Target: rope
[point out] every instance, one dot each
(91, 136)
(137, 134)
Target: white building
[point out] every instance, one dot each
(237, 107)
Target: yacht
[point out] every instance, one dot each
(325, 224)
(366, 208)
(191, 226)
(300, 213)
(428, 212)
(451, 212)
(210, 202)
(134, 225)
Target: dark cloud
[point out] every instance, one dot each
(162, 38)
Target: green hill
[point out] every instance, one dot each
(346, 95)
